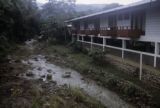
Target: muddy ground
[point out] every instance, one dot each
(17, 91)
(123, 82)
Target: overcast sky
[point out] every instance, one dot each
(98, 1)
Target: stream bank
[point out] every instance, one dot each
(19, 92)
(45, 71)
(129, 88)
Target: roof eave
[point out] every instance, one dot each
(111, 10)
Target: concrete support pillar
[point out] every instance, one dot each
(156, 52)
(82, 38)
(72, 38)
(123, 47)
(77, 37)
(158, 49)
(82, 41)
(140, 68)
(91, 43)
(104, 43)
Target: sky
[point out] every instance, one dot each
(124, 2)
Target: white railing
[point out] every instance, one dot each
(123, 48)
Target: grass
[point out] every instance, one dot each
(6, 48)
(73, 98)
(66, 97)
(36, 94)
(107, 75)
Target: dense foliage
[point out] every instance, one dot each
(18, 19)
(111, 6)
(53, 15)
(58, 10)
(18, 22)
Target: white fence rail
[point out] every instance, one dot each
(123, 48)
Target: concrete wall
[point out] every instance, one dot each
(124, 23)
(91, 26)
(103, 22)
(153, 22)
(81, 25)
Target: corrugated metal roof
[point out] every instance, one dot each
(115, 9)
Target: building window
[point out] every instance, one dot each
(120, 17)
(126, 16)
(123, 17)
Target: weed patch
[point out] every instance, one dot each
(98, 58)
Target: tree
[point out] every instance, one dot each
(53, 15)
(18, 22)
(18, 19)
(58, 10)
(111, 6)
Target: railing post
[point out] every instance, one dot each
(156, 52)
(123, 47)
(82, 39)
(77, 37)
(72, 38)
(140, 69)
(104, 43)
(91, 43)
(158, 48)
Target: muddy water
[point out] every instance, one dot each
(41, 68)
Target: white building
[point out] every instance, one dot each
(137, 24)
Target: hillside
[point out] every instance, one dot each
(90, 7)
(95, 7)
(85, 7)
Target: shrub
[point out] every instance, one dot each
(5, 48)
(78, 48)
(98, 57)
(49, 76)
(133, 93)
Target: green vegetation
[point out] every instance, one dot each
(22, 20)
(73, 97)
(18, 22)
(49, 77)
(67, 97)
(19, 19)
(98, 57)
(35, 94)
(58, 11)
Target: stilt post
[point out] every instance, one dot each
(156, 52)
(123, 47)
(91, 43)
(141, 64)
(104, 43)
